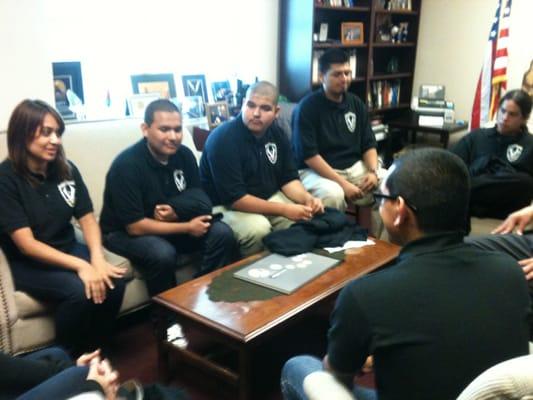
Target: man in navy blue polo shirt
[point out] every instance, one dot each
(332, 140)
(248, 171)
(154, 207)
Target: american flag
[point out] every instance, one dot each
(493, 77)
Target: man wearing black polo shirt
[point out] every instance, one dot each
(444, 313)
(154, 207)
(248, 172)
(332, 140)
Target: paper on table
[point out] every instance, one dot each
(351, 244)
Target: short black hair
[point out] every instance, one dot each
(522, 100)
(332, 56)
(158, 105)
(437, 183)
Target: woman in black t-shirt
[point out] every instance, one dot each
(40, 192)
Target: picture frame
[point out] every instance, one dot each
(216, 113)
(193, 107)
(221, 90)
(138, 102)
(154, 83)
(352, 33)
(68, 83)
(194, 85)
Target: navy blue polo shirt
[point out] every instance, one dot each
(516, 150)
(46, 208)
(339, 132)
(137, 182)
(236, 163)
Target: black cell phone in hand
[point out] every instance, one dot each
(216, 216)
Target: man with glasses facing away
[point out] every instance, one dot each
(442, 314)
(154, 207)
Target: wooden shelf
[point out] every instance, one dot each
(349, 9)
(319, 45)
(390, 44)
(301, 19)
(391, 76)
(392, 12)
(401, 106)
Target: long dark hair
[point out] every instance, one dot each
(26, 118)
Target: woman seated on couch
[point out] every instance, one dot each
(40, 191)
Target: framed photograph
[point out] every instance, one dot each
(138, 103)
(68, 87)
(193, 107)
(220, 90)
(352, 33)
(194, 85)
(154, 83)
(216, 113)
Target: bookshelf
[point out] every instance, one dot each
(385, 60)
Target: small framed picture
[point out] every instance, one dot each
(220, 90)
(193, 107)
(216, 113)
(352, 33)
(154, 83)
(138, 103)
(194, 85)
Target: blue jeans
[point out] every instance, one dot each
(80, 324)
(156, 256)
(296, 370)
(65, 384)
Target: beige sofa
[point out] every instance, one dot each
(27, 324)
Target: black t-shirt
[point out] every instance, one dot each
(339, 132)
(516, 150)
(46, 209)
(136, 182)
(235, 163)
(444, 313)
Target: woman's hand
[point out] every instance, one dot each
(85, 359)
(108, 271)
(93, 282)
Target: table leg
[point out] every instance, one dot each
(444, 138)
(245, 374)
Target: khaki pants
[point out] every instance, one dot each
(332, 195)
(250, 228)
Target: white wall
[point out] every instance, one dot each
(116, 39)
(451, 42)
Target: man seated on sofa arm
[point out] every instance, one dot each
(248, 171)
(154, 207)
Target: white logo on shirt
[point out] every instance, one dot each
(514, 151)
(350, 119)
(272, 152)
(67, 189)
(179, 180)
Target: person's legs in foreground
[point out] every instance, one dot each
(298, 368)
(154, 257)
(61, 386)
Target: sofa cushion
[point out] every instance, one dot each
(28, 306)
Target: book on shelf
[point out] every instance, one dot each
(385, 93)
(335, 3)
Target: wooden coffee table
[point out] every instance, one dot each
(241, 325)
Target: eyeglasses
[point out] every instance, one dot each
(378, 196)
